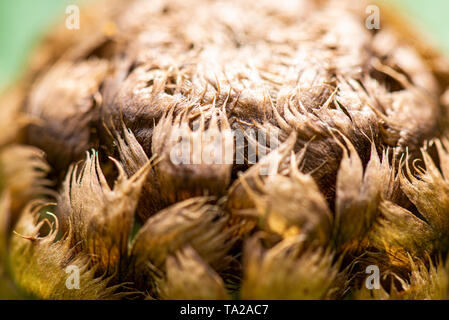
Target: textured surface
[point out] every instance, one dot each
(357, 121)
(29, 21)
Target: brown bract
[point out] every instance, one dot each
(355, 172)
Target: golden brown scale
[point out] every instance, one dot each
(351, 111)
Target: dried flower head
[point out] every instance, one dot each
(211, 150)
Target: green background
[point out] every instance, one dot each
(22, 23)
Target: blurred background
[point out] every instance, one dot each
(22, 23)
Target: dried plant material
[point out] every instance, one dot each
(430, 192)
(292, 205)
(400, 232)
(65, 103)
(7, 288)
(287, 271)
(239, 200)
(428, 281)
(39, 263)
(357, 196)
(194, 162)
(264, 152)
(23, 172)
(390, 177)
(189, 277)
(5, 213)
(379, 294)
(22, 178)
(133, 158)
(314, 80)
(191, 222)
(11, 117)
(101, 218)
